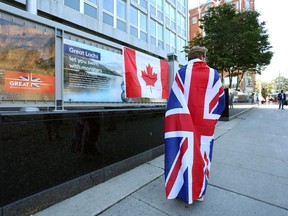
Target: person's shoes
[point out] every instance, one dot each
(200, 199)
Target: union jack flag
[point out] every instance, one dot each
(34, 81)
(195, 104)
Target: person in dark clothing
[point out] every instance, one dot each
(281, 99)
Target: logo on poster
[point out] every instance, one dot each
(27, 82)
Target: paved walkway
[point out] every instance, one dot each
(249, 176)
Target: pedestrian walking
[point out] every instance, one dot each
(281, 99)
(195, 104)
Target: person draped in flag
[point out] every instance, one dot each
(195, 104)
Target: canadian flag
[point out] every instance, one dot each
(145, 76)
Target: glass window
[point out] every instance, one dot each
(167, 20)
(181, 44)
(160, 5)
(143, 36)
(173, 1)
(109, 5)
(121, 13)
(134, 31)
(153, 28)
(156, 8)
(121, 25)
(173, 25)
(180, 3)
(93, 1)
(172, 14)
(143, 3)
(160, 44)
(184, 32)
(75, 4)
(181, 24)
(182, 20)
(143, 26)
(247, 4)
(153, 40)
(160, 15)
(121, 9)
(134, 16)
(156, 33)
(152, 10)
(167, 48)
(160, 35)
(182, 9)
(143, 22)
(172, 39)
(90, 11)
(159, 32)
(167, 38)
(108, 19)
(167, 9)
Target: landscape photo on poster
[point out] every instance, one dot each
(91, 74)
(27, 62)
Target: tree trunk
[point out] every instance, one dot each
(230, 79)
(239, 79)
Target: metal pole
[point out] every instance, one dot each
(31, 6)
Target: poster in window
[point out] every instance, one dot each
(91, 74)
(27, 61)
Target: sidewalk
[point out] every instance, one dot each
(249, 176)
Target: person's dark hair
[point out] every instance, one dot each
(197, 52)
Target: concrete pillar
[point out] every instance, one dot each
(59, 71)
(173, 67)
(31, 6)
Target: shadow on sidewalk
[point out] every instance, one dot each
(238, 109)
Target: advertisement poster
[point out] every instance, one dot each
(91, 74)
(27, 59)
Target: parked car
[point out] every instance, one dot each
(240, 97)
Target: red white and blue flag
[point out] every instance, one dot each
(195, 104)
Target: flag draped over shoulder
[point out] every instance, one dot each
(145, 76)
(195, 104)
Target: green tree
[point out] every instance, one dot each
(266, 88)
(253, 49)
(236, 41)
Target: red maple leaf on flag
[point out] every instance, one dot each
(149, 77)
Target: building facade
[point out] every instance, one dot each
(196, 13)
(67, 56)
(155, 27)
